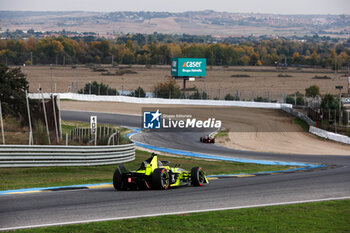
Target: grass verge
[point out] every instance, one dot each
(222, 133)
(15, 178)
(301, 123)
(328, 216)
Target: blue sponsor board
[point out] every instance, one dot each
(188, 67)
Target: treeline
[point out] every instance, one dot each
(62, 50)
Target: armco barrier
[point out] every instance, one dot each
(44, 156)
(329, 135)
(128, 99)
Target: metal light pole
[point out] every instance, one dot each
(220, 89)
(123, 86)
(339, 88)
(2, 126)
(76, 80)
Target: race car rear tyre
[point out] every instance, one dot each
(118, 180)
(160, 179)
(197, 176)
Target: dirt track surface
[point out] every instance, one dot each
(263, 130)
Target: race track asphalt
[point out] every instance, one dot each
(63, 207)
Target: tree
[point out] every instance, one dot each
(300, 100)
(139, 92)
(12, 91)
(314, 58)
(198, 95)
(254, 58)
(229, 97)
(296, 57)
(329, 102)
(167, 89)
(159, 48)
(98, 89)
(290, 100)
(312, 91)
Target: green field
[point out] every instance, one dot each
(329, 216)
(15, 178)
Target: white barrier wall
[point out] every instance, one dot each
(128, 99)
(329, 135)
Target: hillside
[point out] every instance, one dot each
(195, 22)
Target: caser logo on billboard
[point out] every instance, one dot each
(192, 64)
(188, 67)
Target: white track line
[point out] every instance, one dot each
(174, 213)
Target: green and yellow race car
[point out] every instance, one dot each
(155, 174)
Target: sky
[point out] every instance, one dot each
(241, 6)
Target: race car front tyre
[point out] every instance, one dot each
(118, 180)
(197, 176)
(160, 179)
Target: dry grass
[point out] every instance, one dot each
(15, 133)
(261, 81)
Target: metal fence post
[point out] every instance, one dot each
(96, 136)
(47, 125)
(59, 115)
(31, 141)
(54, 117)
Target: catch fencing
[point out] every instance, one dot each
(46, 156)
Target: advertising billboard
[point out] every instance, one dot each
(187, 67)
